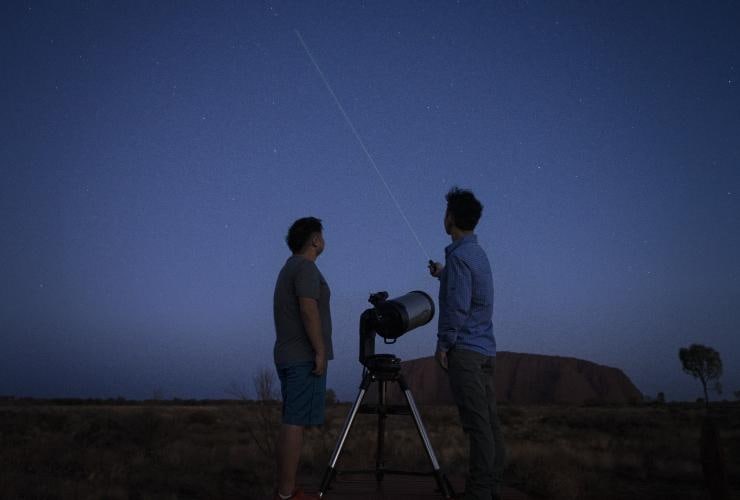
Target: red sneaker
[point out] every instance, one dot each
(299, 494)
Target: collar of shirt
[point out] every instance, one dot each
(471, 238)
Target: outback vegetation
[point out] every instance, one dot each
(190, 449)
(703, 363)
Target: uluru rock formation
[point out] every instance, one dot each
(527, 379)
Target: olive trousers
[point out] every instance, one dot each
(471, 380)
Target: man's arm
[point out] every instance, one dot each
(312, 323)
(455, 309)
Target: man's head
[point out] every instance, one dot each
(463, 210)
(305, 235)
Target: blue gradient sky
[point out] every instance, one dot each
(153, 156)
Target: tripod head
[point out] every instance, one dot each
(390, 319)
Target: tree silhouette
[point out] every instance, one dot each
(265, 384)
(703, 363)
(262, 427)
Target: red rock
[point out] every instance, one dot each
(526, 379)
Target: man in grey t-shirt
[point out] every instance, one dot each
(302, 347)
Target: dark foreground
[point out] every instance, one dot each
(217, 451)
(355, 487)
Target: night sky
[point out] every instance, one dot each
(154, 154)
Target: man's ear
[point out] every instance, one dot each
(450, 218)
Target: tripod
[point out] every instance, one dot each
(384, 368)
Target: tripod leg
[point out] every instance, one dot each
(331, 469)
(442, 481)
(379, 459)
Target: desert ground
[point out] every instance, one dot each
(223, 449)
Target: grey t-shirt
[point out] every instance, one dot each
(299, 277)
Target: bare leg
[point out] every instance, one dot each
(290, 441)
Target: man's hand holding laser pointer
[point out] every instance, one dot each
(435, 268)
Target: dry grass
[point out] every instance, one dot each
(630, 452)
(219, 451)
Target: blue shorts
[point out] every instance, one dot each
(304, 394)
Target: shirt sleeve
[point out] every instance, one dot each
(308, 281)
(455, 308)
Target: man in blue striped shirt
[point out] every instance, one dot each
(466, 347)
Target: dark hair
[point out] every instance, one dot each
(464, 208)
(300, 232)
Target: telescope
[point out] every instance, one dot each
(389, 319)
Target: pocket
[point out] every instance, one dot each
(463, 360)
(488, 366)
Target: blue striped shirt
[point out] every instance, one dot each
(466, 299)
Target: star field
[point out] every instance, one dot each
(154, 155)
